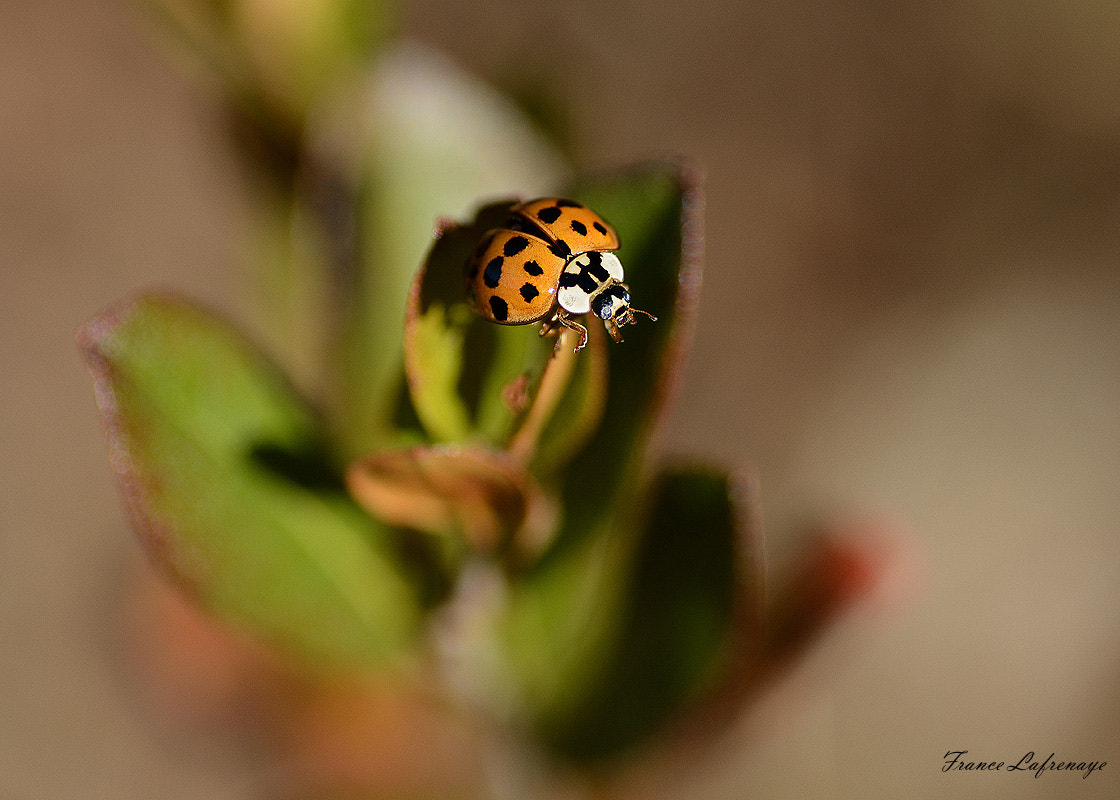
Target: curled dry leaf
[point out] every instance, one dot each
(482, 496)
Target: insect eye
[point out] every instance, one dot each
(602, 306)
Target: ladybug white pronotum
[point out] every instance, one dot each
(551, 262)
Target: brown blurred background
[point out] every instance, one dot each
(911, 307)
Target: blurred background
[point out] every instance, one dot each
(910, 310)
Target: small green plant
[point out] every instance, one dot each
(401, 494)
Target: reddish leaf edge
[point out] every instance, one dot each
(153, 532)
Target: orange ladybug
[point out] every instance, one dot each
(552, 261)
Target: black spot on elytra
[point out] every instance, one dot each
(600, 227)
(529, 291)
(568, 204)
(560, 250)
(514, 245)
(549, 215)
(579, 227)
(533, 268)
(492, 275)
(499, 309)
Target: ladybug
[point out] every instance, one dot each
(552, 261)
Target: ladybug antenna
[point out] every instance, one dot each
(627, 315)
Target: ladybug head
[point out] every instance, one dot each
(612, 305)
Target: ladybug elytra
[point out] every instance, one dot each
(552, 261)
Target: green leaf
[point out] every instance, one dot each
(287, 56)
(292, 288)
(225, 475)
(435, 142)
(301, 53)
(689, 580)
(565, 611)
(656, 211)
(461, 367)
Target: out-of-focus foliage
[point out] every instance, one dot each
(232, 481)
(344, 495)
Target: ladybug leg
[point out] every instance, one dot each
(553, 325)
(549, 328)
(612, 328)
(574, 326)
